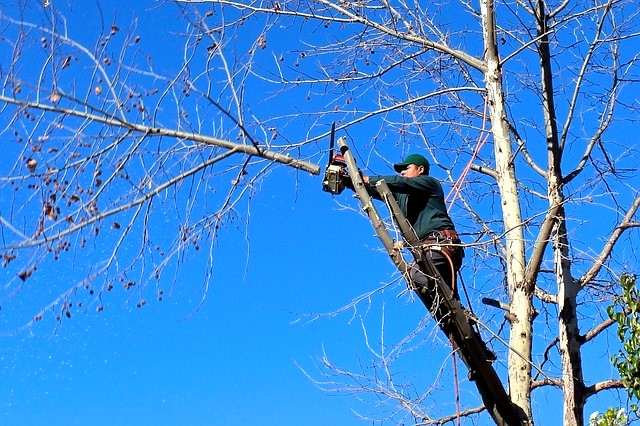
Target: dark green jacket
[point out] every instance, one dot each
(421, 200)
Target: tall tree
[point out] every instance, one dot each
(550, 85)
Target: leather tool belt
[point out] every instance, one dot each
(444, 235)
(447, 241)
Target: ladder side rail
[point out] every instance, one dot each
(424, 262)
(369, 208)
(500, 412)
(471, 351)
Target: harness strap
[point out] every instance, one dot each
(446, 241)
(441, 235)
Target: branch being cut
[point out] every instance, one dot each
(161, 131)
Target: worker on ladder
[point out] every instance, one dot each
(421, 199)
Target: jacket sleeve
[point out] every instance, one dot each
(402, 185)
(370, 188)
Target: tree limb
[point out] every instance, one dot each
(626, 223)
(161, 131)
(598, 329)
(604, 385)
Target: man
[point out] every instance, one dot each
(421, 200)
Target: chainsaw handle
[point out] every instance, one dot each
(332, 140)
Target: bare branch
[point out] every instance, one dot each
(159, 131)
(484, 170)
(547, 382)
(626, 223)
(600, 386)
(594, 332)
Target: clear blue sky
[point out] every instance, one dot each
(237, 358)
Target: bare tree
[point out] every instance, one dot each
(91, 156)
(550, 86)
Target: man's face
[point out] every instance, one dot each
(412, 171)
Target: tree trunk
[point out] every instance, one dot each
(521, 303)
(569, 333)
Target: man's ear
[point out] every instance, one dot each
(421, 169)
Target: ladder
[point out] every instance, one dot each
(440, 301)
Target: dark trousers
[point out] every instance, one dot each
(444, 267)
(425, 287)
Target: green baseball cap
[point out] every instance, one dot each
(416, 159)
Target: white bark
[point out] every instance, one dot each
(521, 306)
(568, 288)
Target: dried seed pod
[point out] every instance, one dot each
(32, 164)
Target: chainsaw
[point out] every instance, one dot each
(335, 173)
